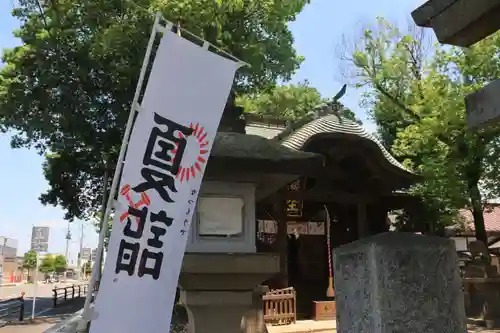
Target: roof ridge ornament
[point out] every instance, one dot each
(319, 111)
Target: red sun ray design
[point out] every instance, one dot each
(180, 136)
(192, 168)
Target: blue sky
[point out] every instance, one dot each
(318, 32)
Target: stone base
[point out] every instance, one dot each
(399, 282)
(216, 311)
(325, 310)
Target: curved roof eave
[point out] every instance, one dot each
(332, 124)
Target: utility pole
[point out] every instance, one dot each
(79, 261)
(66, 254)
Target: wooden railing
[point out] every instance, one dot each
(280, 306)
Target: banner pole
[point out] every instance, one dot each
(119, 164)
(98, 260)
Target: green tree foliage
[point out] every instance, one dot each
(287, 102)
(417, 100)
(47, 265)
(29, 261)
(87, 268)
(292, 102)
(67, 89)
(60, 264)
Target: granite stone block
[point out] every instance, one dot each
(398, 283)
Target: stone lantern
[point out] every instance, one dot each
(221, 266)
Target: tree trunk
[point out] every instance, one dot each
(475, 153)
(477, 211)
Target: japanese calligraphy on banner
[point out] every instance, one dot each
(167, 154)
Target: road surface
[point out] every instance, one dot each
(43, 296)
(46, 320)
(45, 315)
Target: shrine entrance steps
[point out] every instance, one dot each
(305, 326)
(307, 293)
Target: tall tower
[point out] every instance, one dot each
(68, 238)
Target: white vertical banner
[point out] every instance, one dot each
(167, 154)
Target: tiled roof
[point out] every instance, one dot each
(242, 146)
(335, 124)
(264, 131)
(491, 218)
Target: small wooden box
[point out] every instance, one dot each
(325, 310)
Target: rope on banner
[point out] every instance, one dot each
(205, 44)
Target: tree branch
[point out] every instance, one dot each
(416, 67)
(409, 112)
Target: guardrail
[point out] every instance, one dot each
(12, 308)
(65, 294)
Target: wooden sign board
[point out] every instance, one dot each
(293, 206)
(483, 106)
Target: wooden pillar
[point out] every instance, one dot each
(413, 211)
(377, 212)
(282, 236)
(363, 229)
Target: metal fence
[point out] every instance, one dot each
(65, 294)
(12, 309)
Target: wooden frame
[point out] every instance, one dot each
(280, 306)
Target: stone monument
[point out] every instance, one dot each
(398, 283)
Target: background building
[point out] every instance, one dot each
(86, 253)
(8, 247)
(94, 255)
(40, 239)
(10, 268)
